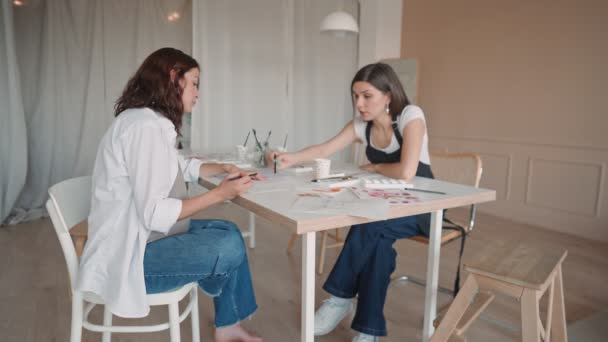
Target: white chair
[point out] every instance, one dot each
(68, 205)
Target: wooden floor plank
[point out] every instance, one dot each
(34, 305)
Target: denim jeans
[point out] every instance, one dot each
(211, 253)
(364, 268)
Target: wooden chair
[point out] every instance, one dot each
(521, 272)
(461, 168)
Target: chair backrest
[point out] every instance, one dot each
(461, 168)
(69, 203)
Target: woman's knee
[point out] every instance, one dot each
(232, 247)
(362, 232)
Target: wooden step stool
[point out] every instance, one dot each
(519, 271)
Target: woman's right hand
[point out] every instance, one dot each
(229, 188)
(284, 159)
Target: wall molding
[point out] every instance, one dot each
(529, 196)
(524, 143)
(530, 174)
(508, 175)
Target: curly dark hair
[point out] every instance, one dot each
(384, 78)
(155, 85)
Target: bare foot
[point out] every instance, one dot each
(235, 333)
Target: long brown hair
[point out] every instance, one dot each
(384, 78)
(153, 86)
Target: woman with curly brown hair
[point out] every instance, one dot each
(141, 239)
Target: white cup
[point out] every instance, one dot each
(321, 168)
(241, 152)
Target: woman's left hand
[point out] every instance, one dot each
(230, 169)
(368, 167)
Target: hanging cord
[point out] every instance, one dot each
(463, 237)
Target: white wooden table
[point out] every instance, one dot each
(275, 206)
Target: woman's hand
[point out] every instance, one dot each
(234, 184)
(284, 159)
(368, 167)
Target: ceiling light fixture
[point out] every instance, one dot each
(339, 23)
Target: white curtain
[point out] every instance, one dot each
(74, 57)
(265, 65)
(324, 66)
(13, 151)
(241, 47)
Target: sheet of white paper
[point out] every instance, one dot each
(370, 208)
(265, 186)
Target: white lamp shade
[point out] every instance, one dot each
(339, 21)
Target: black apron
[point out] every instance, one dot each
(377, 157)
(423, 221)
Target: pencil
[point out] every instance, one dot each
(428, 191)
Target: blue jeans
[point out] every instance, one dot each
(364, 268)
(211, 253)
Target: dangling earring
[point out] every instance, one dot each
(387, 109)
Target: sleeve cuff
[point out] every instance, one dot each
(192, 169)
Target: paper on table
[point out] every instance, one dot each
(393, 196)
(371, 208)
(318, 191)
(368, 208)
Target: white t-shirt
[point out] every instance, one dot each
(135, 169)
(409, 113)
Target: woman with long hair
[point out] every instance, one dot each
(395, 136)
(141, 239)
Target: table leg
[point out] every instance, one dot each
(432, 275)
(308, 287)
(251, 230)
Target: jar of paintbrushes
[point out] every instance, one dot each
(258, 154)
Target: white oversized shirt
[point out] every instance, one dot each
(135, 169)
(409, 113)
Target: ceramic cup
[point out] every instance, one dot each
(321, 168)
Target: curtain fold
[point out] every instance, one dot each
(13, 138)
(241, 48)
(265, 65)
(74, 57)
(324, 66)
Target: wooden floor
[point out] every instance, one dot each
(34, 302)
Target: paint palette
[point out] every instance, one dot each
(386, 183)
(393, 196)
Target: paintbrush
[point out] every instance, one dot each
(285, 142)
(247, 138)
(257, 142)
(267, 137)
